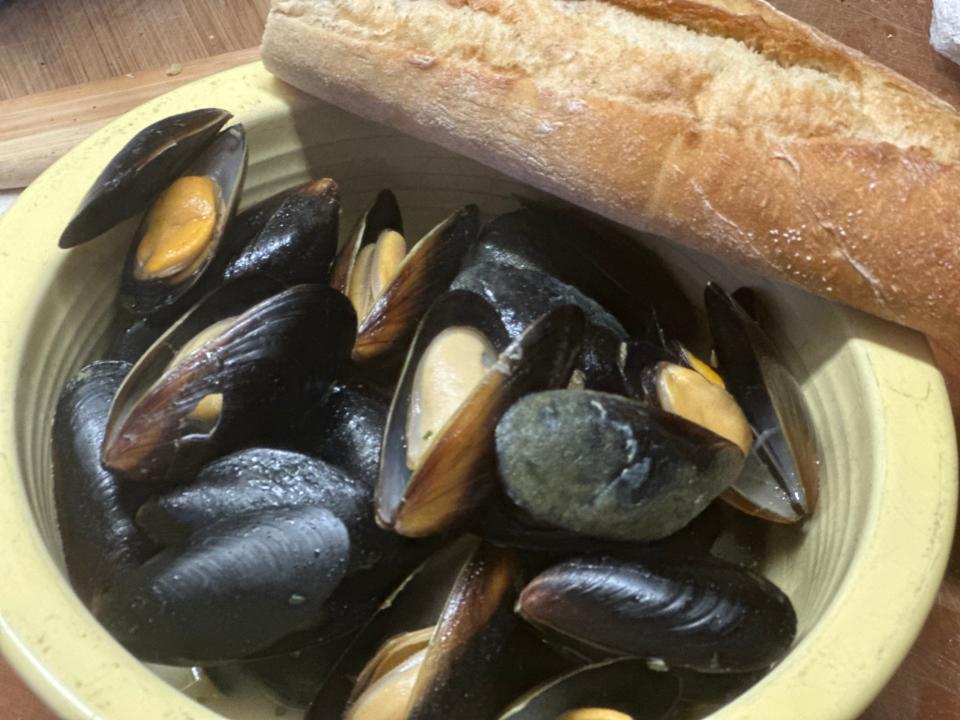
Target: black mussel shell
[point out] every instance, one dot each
(133, 340)
(240, 585)
(416, 603)
(638, 357)
(101, 543)
(615, 270)
(521, 295)
(248, 223)
(458, 675)
(252, 480)
(295, 678)
(608, 466)
(225, 163)
(677, 610)
(624, 685)
(272, 360)
(367, 588)
(703, 693)
(346, 429)
(358, 597)
(143, 167)
(383, 214)
(256, 479)
(454, 474)
(780, 481)
(298, 242)
(426, 273)
(501, 522)
(459, 672)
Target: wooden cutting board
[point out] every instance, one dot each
(895, 32)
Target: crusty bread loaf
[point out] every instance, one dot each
(722, 124)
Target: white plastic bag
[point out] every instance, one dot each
(945, 28)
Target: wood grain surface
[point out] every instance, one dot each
(50, 44)
(37, 129)
(895, 32)
(46, 45)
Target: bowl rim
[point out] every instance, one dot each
(76, 667)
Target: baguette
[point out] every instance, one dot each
(721, 124)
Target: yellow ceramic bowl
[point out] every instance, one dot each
(862, 573)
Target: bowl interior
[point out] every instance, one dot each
(846, 362)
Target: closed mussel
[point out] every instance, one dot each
(622, 689)
(298, 241)
(258, 480)
(238, 586)
(608, 466)
(346, 429)
(224, 375)
(152, 159)
(249, 481)
(94, 511)
(132, 338)
(675, 610)
(521, 295)
(392, 286)
(780, 480)
(460, 376)
(178, 242)
(595, 258)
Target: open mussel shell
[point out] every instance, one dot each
(424, 273)
(455, 671)
(383, 214)
(143, 167)
(638, 356)
(609, 466)
(621, 689)
(416, 603)
(521, 295)
(238, 586)
(617, 271)
(225, 375)
(95, 515)
(451, 475)
(298, 242)
(700, 399)
(780, 481)
(676, 610)
(179, 239)
(346, 429)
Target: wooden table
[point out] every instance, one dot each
(66, 66)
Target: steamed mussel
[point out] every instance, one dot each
(391, 285)
(147, 163)
(181, 233)
(482, 475)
